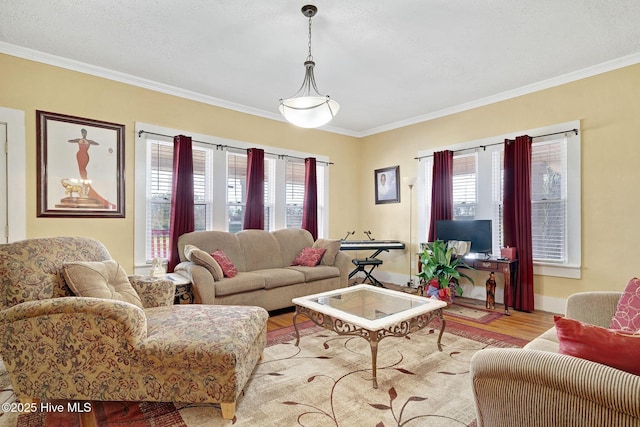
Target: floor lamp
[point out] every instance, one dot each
(410, 181)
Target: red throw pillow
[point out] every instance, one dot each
(627, 317)
(613, 348)
(228, 268)
(309, 257)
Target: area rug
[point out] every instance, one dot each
(474, 310)
(327, 381)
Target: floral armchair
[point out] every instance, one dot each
(59, 346)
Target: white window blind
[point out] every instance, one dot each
(236, 190)
(548, 200)
(464, 186)
(294, 184)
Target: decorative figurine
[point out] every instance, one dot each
(491, 291)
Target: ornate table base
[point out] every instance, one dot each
(341, 327)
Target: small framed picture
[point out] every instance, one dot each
(387, 185)
(80, 167)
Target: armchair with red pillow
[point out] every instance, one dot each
(582, 372)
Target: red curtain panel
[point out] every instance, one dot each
(441, 190)
(310, 205)
(517, 216)
(254, 209)
(182, 220)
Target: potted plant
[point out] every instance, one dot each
(440, 276)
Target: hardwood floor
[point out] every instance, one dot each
(519, 324)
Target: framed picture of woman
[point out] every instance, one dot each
(387, 185)
(80, 167)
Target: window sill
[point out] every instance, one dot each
(568, 271)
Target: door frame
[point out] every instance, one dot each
(16, 173)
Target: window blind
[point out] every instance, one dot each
(464, 186)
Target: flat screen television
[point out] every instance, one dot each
(478, 232)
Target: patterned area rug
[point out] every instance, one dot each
(327, 381)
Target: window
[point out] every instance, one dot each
(219, 188)
(548, 199)
(294, 184)
(464, 186)
(555, 192)
(237, 192)
(159, 192)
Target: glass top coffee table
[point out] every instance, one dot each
(371, 313)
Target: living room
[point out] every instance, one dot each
(603, 99)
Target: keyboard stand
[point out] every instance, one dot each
(361, 265)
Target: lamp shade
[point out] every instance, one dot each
(309, 111)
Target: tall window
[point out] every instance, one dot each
(294, 184)
(464, 186)
(548, 199)
(159, 189)
(237, 191)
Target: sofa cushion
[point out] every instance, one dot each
(227, 266)
(200, 257)
(548, 341)
(211, 241)
(102, 279)
(627, 317)
(291, 241)
(608, 347)
(261, 250)
(309, 257)
(332, 246)
(317, 273)
(276, 277)
(241, 282)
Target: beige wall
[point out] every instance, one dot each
(608, 106)
(31, 86)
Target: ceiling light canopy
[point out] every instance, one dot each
(307, 108)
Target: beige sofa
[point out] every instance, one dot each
(265, 276)
(536, 386)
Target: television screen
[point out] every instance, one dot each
(478, 232)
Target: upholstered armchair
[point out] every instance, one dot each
(536, 386)
(57, 345)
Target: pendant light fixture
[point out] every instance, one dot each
(307, 108)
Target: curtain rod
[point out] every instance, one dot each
(484, 147)
(222, 146)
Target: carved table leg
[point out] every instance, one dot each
(373, 341)
(444, 324)
(295, 326)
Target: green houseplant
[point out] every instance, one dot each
(440, 275)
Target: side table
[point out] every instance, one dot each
(184, 293)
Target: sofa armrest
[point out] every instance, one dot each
(201, 280)
(595, 308)
(539, 388)
(343, 262)
(153, 291)
(43, 342)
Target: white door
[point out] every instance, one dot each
(4, 230)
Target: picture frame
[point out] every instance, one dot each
(387, 185)
(80, 167)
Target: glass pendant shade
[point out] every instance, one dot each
(308, 108)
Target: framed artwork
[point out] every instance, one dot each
(80, 167)
(387, 185)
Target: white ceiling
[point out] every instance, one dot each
(387, 62)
